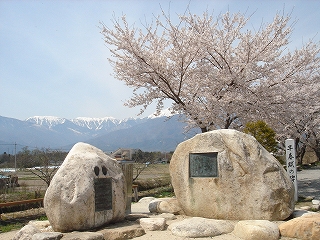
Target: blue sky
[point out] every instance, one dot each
(53, 60)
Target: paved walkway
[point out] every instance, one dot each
(309, 182)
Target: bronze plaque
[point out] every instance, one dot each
(103, 194)
(203, 164)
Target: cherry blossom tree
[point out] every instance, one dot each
(304, 127)
(299, 117)
(217, 72)
(311, 135)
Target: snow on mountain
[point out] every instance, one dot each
(89, 122)
(155, 134)
(89, 125)
(48, 121)
(83, 122)
(110, 133)
(95, 123)
(85, 126)
(163, 113)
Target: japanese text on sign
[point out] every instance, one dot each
(103, 194)
(291, 164)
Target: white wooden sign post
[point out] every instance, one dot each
(291, 165)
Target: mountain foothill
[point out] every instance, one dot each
(109, 134)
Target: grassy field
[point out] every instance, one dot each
(154, 181)
(152, 171)
(30, 187)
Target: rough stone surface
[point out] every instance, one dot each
(83, 236)
(42, 226)
(146, 200)
(315, 207)
(153, 205)
(167, 216)
(70, 200)
(304, 227)
(26, 233)
(165, 205)
(251, 183)
(315, 202)
(47, 236)
(122, 232)
(201, 227)
(153, 224)
(256, 230)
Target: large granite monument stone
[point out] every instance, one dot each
(87, 191)
(226, 174)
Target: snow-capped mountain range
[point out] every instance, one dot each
(84, 125)
(154, 133)
(90, 123)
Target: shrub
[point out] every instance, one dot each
(265, 135)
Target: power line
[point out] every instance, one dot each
(32, 147)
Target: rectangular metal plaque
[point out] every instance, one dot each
(203, 164)
(103, 194)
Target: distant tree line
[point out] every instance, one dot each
(151, 157)
(5, 158)
(41, 162)
(27, 158)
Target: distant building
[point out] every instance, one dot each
(123, 154)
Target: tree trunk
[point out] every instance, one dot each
(301, 154)
(317, 151)
(229, 121)
(204, 129)
(300, 150)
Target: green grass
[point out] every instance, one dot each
(164, 194)
(7, 227)
(43, 218)
(10, 227)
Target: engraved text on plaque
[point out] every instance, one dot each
(103, 194)
(203, 164)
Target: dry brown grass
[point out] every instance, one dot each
(152, 171)
(30, 187)
(22, 214)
